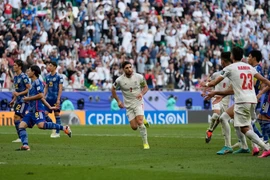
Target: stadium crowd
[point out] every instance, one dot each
(174, 43)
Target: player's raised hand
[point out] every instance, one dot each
(139, 97)
(120, 104)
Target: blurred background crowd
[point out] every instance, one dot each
(173, 43)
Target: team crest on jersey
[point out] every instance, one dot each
(19, 80)
(54, 79)
(38, 88)
(222, 72)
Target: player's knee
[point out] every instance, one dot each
(224, 117)
(215, 116)
(40, 125)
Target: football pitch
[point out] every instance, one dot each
(116, 152)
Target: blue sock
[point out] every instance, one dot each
(48, 119)
(58, 121)
(17, 123)
(264, 133)
(267, 128)
(256, 130)
(24, 136)
(51, 125)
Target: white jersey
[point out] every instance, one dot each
(241, 76)
(224, 84)
(131, 88)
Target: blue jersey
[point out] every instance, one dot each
(20, 83)
(53, 86)
(265, 110)
(36, 105)
(257, 84)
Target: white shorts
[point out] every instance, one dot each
(243, 114)
(134, 112)
(215, 106)
(220, 106)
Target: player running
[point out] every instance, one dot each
(241, 76)
(22, 86)
(53, 92)
(133, 87)
(36, 110)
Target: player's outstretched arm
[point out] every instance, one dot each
(213, 82)
(262, 79)
(32, 98)
(47, 104)
(264, 90)
(23, 92)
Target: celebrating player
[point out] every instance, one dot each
(22, 86)
(53, 92)
(253, 59)
(218, 108)
(133, 87)
(241, 76)
(36, 110)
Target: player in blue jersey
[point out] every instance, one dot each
(21, 85)
(254, 59)
(36, 113)
(53, 92)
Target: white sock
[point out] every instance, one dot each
(255, 138)
(226, 129)
(241, 138)
(143, 133)
(252, 143)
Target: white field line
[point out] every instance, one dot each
(125, 135)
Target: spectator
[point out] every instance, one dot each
(67, 105)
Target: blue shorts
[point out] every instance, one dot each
(52, 103)
(20, 109)
(34, 118)
(265, 110)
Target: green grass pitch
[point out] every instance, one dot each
(115, 152)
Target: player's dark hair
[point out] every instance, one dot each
(19, 63)
(36, 69)
(226, 56)
(237, 53)
(257, 54)
(125, 63)
(53, 63)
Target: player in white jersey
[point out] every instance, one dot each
(253, 59)
(241, 76)
(222, 106)
(133, 87)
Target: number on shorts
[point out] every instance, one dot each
(246, 77)
(18, 107)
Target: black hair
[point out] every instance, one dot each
(125, 63)
(53, 63)
(257, 54)
(226, 56)
(237, 53)
(19, 63)
(36, 69)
